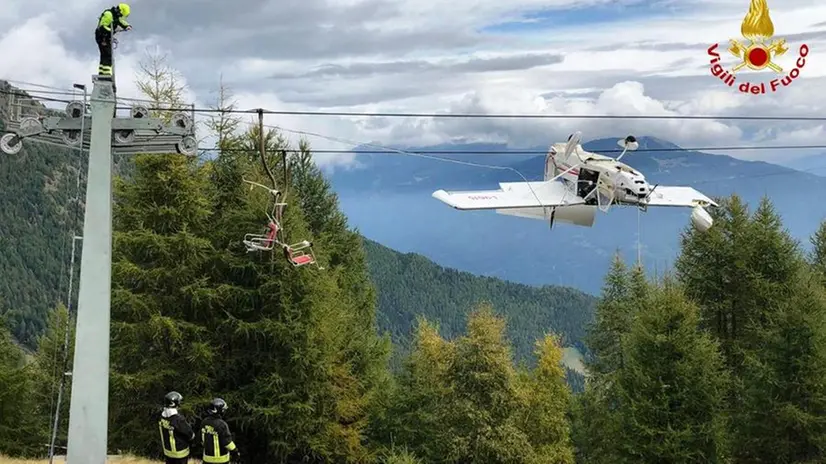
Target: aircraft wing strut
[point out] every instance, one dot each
(511, 195)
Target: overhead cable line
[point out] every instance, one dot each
(387, 151)
(529, 152)
(496, 116)
(256, 111)
(786, 171)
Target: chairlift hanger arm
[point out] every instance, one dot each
(256, 184)
(262, 143)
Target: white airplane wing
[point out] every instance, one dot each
(512, 195)
(664, 195)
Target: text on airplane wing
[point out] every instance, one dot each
(678, 196)
(511, 195)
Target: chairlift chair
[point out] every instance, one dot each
(296, 255)
(262, 242)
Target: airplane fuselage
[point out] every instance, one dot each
(597, 178)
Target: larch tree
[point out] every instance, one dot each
(547, 403)
(306, 360)
(160, 83)
(484, 398)
(223, 123)
(416, 415)
(595, 424)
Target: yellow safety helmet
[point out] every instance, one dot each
(124, 9)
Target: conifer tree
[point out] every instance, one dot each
(593, 431)
(672, 385)
(161, 295)
(416, 414)
(774, 259)
(596, 434)
(160, 83)
(51, 365)
(783, 418)
(611, 320)
(818, 254)
(714, 268)
(21, 432)
(229, 166)
(548, 400)
(752, 273)
(484, 396)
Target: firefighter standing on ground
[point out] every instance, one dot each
(215, 435)
(108, 22)
(176, 434)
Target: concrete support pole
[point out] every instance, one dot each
(89, 411)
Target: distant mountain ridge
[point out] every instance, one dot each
(388, 197)
(815, 164)
(400, 173)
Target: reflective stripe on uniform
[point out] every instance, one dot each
(168, 434)
(216, 446)
(176, 454)
(216, 459)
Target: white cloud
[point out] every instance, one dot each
(402, 57)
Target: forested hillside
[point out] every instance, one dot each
(37, 216)
(410, 285)
(42, 192)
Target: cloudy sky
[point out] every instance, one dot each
(463, 56)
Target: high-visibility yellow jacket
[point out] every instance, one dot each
(116, 15)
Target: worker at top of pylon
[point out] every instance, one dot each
(108, 22)
(176, 433)
(117, 15)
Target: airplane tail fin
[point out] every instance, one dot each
(570, 147)
(573, 142)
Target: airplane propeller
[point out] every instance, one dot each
(643, 205)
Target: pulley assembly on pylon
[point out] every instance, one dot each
(139, 112)
(74, 110)
(140, 133)
(12, 142)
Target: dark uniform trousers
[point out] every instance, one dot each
(177, 460)
(104, 41)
